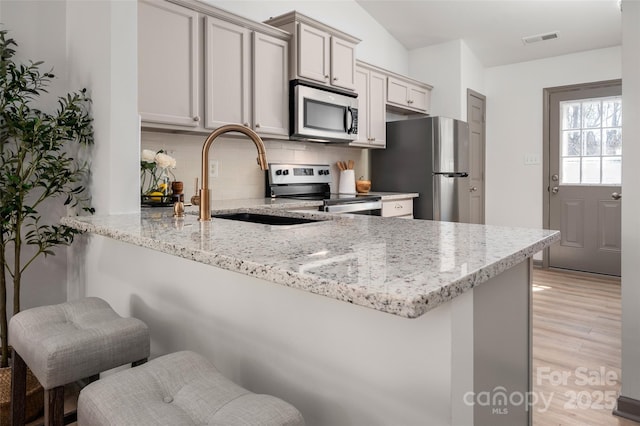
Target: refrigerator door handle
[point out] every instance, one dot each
(452, 175)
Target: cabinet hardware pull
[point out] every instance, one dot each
(398, 206)
(245, 124)
(257, 125)
(326, 76)
(196, 118)
(335, 78)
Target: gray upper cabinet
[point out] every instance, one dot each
(371, 88)
(409, 95)
(227, 81)
(270, 85)
(168, 64)
(201, 68)
(319, 52)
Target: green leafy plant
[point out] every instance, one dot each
(38, 162)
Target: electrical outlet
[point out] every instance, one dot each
(213, 169)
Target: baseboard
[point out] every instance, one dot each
(628, 408)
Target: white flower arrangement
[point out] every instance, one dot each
(155, 168)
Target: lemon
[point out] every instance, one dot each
(155, 196)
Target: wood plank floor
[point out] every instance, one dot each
(576, 349)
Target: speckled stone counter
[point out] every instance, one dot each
(404, 268)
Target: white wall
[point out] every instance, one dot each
(514, 128)
(472, 76)
(378, 47)
(440, 66)
(631, 201)
(39, 29)
(451, 68)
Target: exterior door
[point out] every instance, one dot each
(584, 176)
(476, 104)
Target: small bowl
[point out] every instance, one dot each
(363, 186)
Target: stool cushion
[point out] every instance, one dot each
(181, 388)
(75, 340)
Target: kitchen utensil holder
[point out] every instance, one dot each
(347, 183)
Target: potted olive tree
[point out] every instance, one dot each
(38, 166)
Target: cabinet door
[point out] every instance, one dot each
(377, 109)
(168, 64)
(313, 53)
(270, 85)
(227, 83)
(362, 88)
(397, 92)
(418, 98)
(343, 63)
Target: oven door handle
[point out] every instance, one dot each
(353, 207)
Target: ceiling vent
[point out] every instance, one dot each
(540, 37)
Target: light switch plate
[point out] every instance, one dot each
(531, 159)
(213, 169)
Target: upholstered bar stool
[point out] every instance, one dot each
(181, 388)
(65, 343)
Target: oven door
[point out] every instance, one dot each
(320, 115)
(371, 208)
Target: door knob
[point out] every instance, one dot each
(555, 177)
(616, 195)
(555, 190)
(473, 189)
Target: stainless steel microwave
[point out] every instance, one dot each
(319, 114)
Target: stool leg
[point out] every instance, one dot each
(138, 362)
(18, 389)
(54, 406)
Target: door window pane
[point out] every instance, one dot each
(613, 141)
(591, 139)
(611, 170)
(591, 170)
(612, 113)
(571, 143)
(571, 114)
(571, 170)
(591, 114)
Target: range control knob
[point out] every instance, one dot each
(278, 172)
(326, 172)
(285, 172)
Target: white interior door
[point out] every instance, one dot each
(585, 158)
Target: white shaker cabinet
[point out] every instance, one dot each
(245, 85)
(270, 85)
(371, 89)
(201, 68)
(400, 208)
(313, 53)
(408, 95)
(343, 63)
(168, 64)
(227, 84)
(319, 52)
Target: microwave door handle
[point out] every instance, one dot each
(348, 118)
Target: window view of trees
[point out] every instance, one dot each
(591, 135)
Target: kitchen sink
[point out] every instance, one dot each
(265, 219)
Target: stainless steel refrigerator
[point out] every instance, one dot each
(429, 156)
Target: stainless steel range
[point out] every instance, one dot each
(312, 182)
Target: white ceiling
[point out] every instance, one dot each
(493, 29)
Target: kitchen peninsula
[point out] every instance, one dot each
(353, 319)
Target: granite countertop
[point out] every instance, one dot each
(402, 267)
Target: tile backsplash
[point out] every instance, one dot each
(239, 176)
